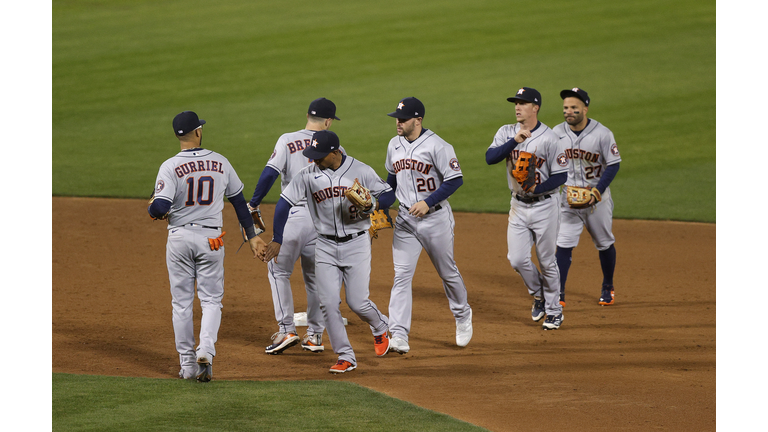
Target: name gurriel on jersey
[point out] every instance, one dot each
(411, 164)
(329, 192)
(190, 167)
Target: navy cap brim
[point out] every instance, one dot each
(570, 93)
(314, 154)
(401, 115)
(515, 99)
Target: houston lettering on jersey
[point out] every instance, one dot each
(582, 154)
(298, 145)
(329, 192)
(515, 155)
(190, 167)
(411, 164)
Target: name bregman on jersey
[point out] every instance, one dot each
(329, 192)
(196, 166)
(411, 164)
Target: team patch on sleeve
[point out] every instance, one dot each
(274, 153)
(562, 160)
(614, 149)
(160, 186)
(454, 163)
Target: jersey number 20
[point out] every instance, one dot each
(204, 195)
(425, 185)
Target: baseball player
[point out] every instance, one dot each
(424, 172)
(595, 160)
(343, 248)
(534, 214)
(300, 235)
(189, 193)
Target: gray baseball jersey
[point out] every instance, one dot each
(345, 258)
(196, 181)
(324, 190)
(543, 143)
(421, 167)
(590, 152)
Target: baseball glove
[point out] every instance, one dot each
(579, 197)
(525, 171)
(360, 197)
(257, 220)
(151, 200)
(380, 220)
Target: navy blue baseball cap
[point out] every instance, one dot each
(527, 94)
(323, 143)
(577, 93)
(322, 108)
(186, 122)
(408, 108)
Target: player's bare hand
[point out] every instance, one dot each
(271, 251)
(522, 135)
(257, 246)
(419, 209)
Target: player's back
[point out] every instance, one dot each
(196, 181)
(287, 157)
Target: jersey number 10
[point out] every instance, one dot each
(204, 191)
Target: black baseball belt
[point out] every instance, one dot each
(343, 239)
(200, 226)
(530, 200)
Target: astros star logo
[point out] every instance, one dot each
(520, 91)
(400, 105)
(314, 143)
(575, 89)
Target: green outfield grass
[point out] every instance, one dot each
(123, 69)
(139, 404)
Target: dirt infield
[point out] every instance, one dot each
(647, 363)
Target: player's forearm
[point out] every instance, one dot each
(495, 155)
(243, 215)
(608, 176)
(553, 182)
(386, 199)
(266, 180)
(444, 191)
(282, 210)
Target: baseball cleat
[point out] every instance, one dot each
(342, 366)
(281, 342)
(188, 373)
(552, 322)
(537, 310)
(464, 331)
(562, 299)
(381, 344)
(399, 345)
(204, 369)
(606, 297)
(313, 343)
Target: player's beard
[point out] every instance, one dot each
(575, 119)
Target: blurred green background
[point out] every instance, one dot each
(123, 69)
